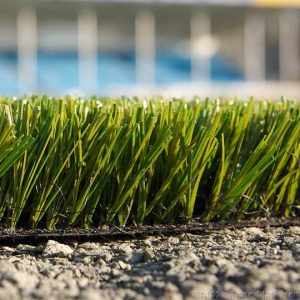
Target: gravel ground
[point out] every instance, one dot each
(228, 264)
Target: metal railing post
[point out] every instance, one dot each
(145, 47)
(27, 50)
(200, 57)
(87, 37)
(289, 45)
(255, 48)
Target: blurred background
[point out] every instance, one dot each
(146, 47)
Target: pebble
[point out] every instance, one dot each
(254, 231)
(136, 257)
(20, 249)
(295, 229)
(255, 234)
(124, 266)
(54, 248)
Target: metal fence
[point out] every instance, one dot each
(131, 47)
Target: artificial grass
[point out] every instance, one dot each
(85, 162)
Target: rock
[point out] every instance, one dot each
(296, 249)
(197, 290)
(158, 285)
(220, 261)
(259, 252)
(124, 266)
(7, 250)
(213, 269)
(49, 289)
(289, 240)
(171, 292)
(255, 234)
(83, 283)
(54, 248)
(174, 240)
(254, 231)
(147, 242)
(101, 263)
(227, 267)
(22, 280)
(149, 255)
(136, 257)
(123, 248)
(66, 276)
(9, 290)
(26, 265)
(116, 272)
(200, 291)
(21, 249)
(287, 255)
(231, 291)
(90, 294)
(210, 279)
(91, 249)
(295, 229)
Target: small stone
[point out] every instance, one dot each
(231, 291)
(229, 269)
(86, 260)
(171, 292)
(82, 283)
(107, 256)
(20, 249)
(289, 240)
(22, 280)
(101, 262)
(200, 291)
(54, 248)
(255, 234)
(124, 266)
(213, 269)
(286, 255)
(220, 262)
(209, 279)
(149, 255)
(259, 252)
(295, 229)
(124, 248)
(296, 248)
(90, 294)
(148, 242)
(173, 240)
(8, 290)
(88, 249)
(7, 249)
(136, 257)
(158, 285)
(115, 272)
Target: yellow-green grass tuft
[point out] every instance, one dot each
(85, 162)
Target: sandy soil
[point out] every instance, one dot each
(228, 264)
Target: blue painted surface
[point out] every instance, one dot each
(58, 72)
(8, 73)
